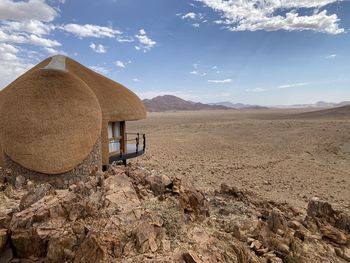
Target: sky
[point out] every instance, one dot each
(267, 52)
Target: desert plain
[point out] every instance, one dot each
(282, 155)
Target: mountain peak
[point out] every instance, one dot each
(173, 103)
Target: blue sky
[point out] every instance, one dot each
(272, 52)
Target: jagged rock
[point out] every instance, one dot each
(20, 181)
(282, 248)
(276, 221)
(334, 235)
(91, 251)
(343, 253)
(35, 195)
(2, 176)
(45, 208)
(294, 224)
(108, 219)
(317, 208)
(146, 236)
(3, 238)
(256, 245)
(243, 255)
(158, 184)
(176, 185)
(343, 222)
(192, 200)
(190, 257)
(122, 199)
(225, 189)
(61, 248)
(28, 244)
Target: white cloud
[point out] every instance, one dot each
(32, 26)
(195, 72)
(196, 18)
(271, 15)
(135, 80)
(24, 38)
(89, 30)
(39, 41)
(256, 90)
(12, 65)
(53, 51)
(190, 15)
(8, 52)
(220, 80)
(145, 43)
(331, 56)
(120, 64)
(125, 39)
(100, 69)
(301, 84)
(98, 48)
(26, 10)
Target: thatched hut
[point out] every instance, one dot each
(60, 120)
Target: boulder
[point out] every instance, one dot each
(317, 208)
(276, 221)
(3, 238)
(35, 195)
(193, 201)
(147, 237)
(228, 190)
(158, 184)
(27, 243)
(62, 248)
(91, 251)
(20, 181)
(334, 235)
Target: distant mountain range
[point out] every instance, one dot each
(229, 104)
(320, 104)
(173, 103)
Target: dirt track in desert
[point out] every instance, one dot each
(272, 152)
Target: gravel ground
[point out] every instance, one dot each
(272, 152)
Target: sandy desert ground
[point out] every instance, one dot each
(279, 154)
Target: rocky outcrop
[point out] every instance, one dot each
(133, 215)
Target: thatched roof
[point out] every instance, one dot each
(52, 115)
(117, 102)
(50, 121)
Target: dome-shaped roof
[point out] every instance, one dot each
(50, 120)
(117, 102)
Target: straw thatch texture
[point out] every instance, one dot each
(117, 102)
(63, 180)
(50, 121)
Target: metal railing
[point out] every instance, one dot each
(131, 139)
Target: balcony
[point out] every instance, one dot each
(131, 146)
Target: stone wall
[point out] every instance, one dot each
(63, 180)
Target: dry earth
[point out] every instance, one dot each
(275, 153)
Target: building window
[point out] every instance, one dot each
(114, 136)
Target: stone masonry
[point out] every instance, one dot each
(80, 173)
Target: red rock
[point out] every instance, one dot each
(276, 221)
(3, 238)
(28, 244)
(334, 235)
